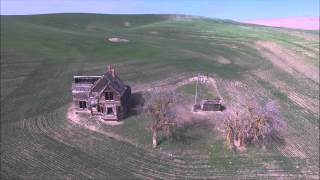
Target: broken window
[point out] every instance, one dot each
(82, 104)
(109, 110)
(109, 96)
(100, 109)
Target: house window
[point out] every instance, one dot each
(118, 110)
(109, 96)
(109, 110)
(100, 109)
(82, 104)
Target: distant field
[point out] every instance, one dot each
(306, 23)
(40, 53)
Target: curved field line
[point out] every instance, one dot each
(60, 148)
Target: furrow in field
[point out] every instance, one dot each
(286, 60)
(150, 165)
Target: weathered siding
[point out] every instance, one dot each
(125, 101)
(116, 95)
(93, 89)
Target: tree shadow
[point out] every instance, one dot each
(275, 140)
(161, 138)
(135, 105)
(223, 108)
(188, 133)
(269, 143)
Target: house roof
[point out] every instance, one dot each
(82, 95)
(85, 79)
(212, 101)
(109, 80)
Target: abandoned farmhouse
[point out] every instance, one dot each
(105, 96)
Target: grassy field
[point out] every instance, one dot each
(40, 53)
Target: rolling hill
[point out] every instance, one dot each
(41, 53)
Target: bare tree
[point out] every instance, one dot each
(160, 104)
(236, 127)
(267, 122)
(254, 124)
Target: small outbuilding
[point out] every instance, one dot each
(211, 105)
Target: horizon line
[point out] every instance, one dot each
(178, 14)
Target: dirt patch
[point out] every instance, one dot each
(209, 81)
(154, 32)
(184, 108)
(185, 114)
(127, 24)
(214, 58)
(287, 60)
(178, 81)
(112, 123)
(298, 98)
(71, 115)
(96, 125)
(117, 40)
(223, 60)
(91, 27)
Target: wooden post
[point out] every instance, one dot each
(91, 111)
(195, 97)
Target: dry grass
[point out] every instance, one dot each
(95, 125)
(287, 60)
(300, 99)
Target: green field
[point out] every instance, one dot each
(41, 53)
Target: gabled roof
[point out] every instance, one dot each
(81, 95)
(85, 79)
(109, 80)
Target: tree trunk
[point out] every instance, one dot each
(240, 139)
(154, 138)
(231, 138)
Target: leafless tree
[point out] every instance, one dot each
(254, 124)
(161, 105)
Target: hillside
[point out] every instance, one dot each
(41, 53)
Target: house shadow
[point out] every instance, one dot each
(223, 108)
(135, 105)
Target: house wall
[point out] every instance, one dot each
(105, 104)
(125, 101)
(77, 97)
(211, 107)
(119, 101)
(116, 95)
(80, 92)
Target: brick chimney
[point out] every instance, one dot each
(113, 72)
(109, 68)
